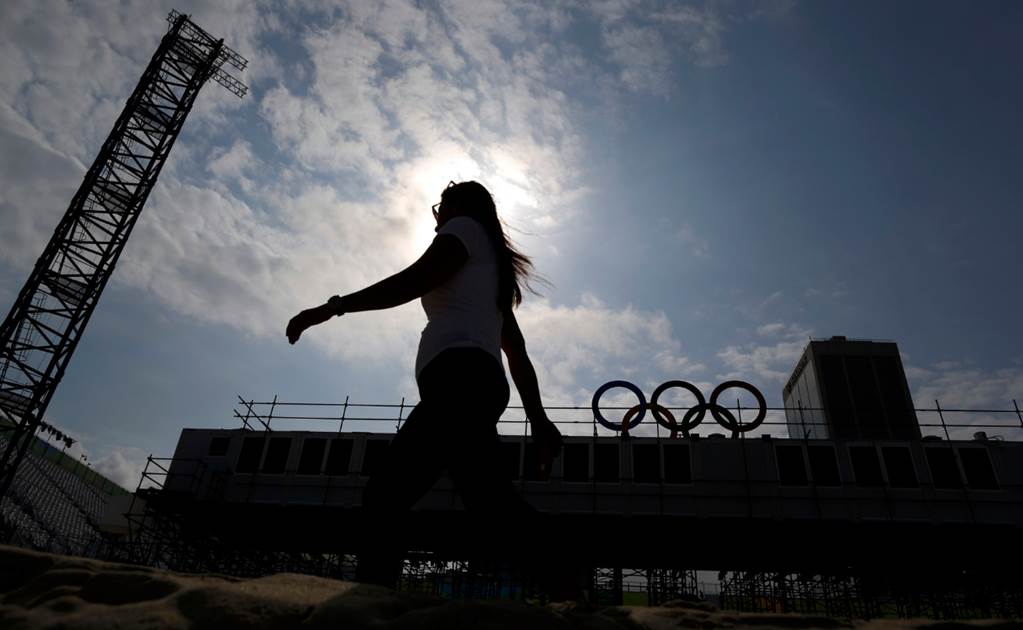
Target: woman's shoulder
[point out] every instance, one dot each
(460, 223)
(468, 230)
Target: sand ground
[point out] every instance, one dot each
(41, 591)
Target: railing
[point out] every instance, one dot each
(157, 472)
(348, 416)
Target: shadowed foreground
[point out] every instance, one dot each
(41, 590)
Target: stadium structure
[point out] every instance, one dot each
(58, 504)
(865, 524)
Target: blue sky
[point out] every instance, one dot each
(705, 185)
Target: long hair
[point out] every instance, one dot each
(515, 269)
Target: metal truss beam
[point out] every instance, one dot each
(45, 323)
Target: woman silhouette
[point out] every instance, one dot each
(469, 280)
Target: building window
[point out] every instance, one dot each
(218, 446)
(791, 467)
(340, 457)
(944, 471)
(252, 452)
(510, 457)
(606, 463)
(899, 463)
(277, 455)
(676, 464)
(372, 455)
(823, 465)
(312, 456)
(575, 460)
(866, 466)
(977, 466)
(646, 463)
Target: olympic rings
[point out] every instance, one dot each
(693, 416)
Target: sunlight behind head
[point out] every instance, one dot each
(503, 174)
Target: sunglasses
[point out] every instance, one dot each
(436, 207)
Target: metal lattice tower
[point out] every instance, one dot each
(49, 315)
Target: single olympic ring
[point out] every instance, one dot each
(625, 424)
(693, 416)
(729, 421)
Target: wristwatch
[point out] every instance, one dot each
(335, 305)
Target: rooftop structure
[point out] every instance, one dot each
(850, 389)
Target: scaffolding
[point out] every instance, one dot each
(940, 593)
(860, 593)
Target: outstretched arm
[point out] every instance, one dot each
(545, 434)
(437, 265)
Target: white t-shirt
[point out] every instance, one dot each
(463, 312)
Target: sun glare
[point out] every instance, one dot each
(501, 172)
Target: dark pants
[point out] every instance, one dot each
(463, 392)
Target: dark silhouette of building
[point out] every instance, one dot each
(850, 389)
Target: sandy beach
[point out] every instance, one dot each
(41, 590)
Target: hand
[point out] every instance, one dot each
(306, 319)
(548, 443)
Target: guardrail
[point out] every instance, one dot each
(349, 416)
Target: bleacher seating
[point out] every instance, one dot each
(55, 503)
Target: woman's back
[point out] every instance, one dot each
(463, 311)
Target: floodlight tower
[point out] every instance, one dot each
(46, 321)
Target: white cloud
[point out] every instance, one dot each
(578, 348)
(781, 329)
(966, 387)
(38, 182)
(125, 471)
(770, 362)
(643, 56)
(768, 330)
(698, 31)
(234, 162)
(973, 390)
(644, 39)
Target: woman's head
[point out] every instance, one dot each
(466, 199)
(472, 199)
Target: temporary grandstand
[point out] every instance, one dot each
(58, 504)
